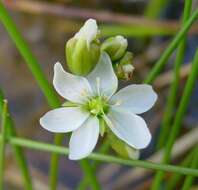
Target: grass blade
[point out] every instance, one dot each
(3, 143)
(18, 151)
(169, 50)
(189, 179)
(172, 96)
(178, 119)
(173, 181)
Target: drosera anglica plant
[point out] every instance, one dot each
(17, 38)
(93, 107)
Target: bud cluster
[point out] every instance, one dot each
(122, 59)
(84, 49)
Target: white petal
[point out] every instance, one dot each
(63, 120)
(103, 76)
(88, 31)
(129, 127)
(135, 98)
(84, 139)
(73, 88)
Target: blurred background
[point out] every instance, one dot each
(149, 26)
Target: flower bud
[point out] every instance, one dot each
(83, 50)
(121, 148)
(124, 68)
(115, 47)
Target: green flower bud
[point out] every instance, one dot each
(121, 148)
(83, 50)
(127, 59)
(124, 68)
(115, 47)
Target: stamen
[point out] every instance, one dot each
(84, 92)
(118, 103)
(108, 122)
(98, 85)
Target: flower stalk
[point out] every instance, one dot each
(84, 183)
(3, 143)
(101, 157)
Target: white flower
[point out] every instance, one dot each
(94, 99)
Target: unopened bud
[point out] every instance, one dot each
(121, 148)
(124, 68)
(132, 152)
(115, 47)
(83, 50)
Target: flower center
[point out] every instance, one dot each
(97, 106)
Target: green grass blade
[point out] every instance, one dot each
(18, 151)
(3, 143)
(135, 31)
(178, 119)
(54, 164)
(89, 172)
(189, 179)
(155, 7)
(85, 181)
(172, 46)
(172, 97)
(28, 56)
(176, 178)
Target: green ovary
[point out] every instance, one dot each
(97, 106)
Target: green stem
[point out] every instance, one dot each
(136, 31)
(172, 97)
(101, 157)
(18, 151)
(31, 61)
(35, 69)
(40, 78)
(178, 119)
(189, 179)
(89, 171)
(169, 50)
(54, 164)
(175, 178)
(3, 143)
(85, 181)
(155, 7)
